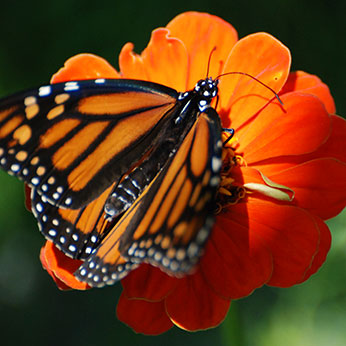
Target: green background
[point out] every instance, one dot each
(36, 38)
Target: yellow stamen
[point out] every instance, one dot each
(226, 181)
(240, 160)
(224, 191)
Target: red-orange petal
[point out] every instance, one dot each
(335, 145)
(263, 57)
(324, 246)
(164, 61)
(194, 306)
(310, 84)
(301, 129)
(85, 66)
(235, 263)
(157, 284)
(201, 33)
(319, 186)
(143, 317)
(288, 232)
(62, 266)
(61, 285)
(334, 148)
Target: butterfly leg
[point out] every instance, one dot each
(231, 134)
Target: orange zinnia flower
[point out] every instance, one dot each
(283, 173)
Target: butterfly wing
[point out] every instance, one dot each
(76, 232)
(71, 141)
(168, 225)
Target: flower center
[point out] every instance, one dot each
(232, 189)
(229, 192)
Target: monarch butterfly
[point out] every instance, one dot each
(121, 171)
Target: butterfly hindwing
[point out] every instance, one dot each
(70, 141)
(76, 232)
(168, 225)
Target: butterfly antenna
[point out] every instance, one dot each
(257, 80)
(209, 60)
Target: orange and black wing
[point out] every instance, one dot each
(71, 141)
(76, 232)
(168, 225)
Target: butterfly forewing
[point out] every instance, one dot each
(71, 141)
(169, 223)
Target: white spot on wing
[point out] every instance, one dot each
(44, 90)
(52, 232)
(15, 168)
(216, 164)
(68, 200)
(72, 248)
(71, 86)
(39, 207)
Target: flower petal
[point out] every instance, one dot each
(61, 285)
(194, 306)
(142, 316)
(336, 143)
(235, 263)
(201, 33)
(263, 57)
(319, 186)
(288, 232)
(163, 61)
(84, 66)
(274, 133)
(61, 266)
(157, 284)
(310, 84)
(324, 246)
(334, 147)
(27, 193)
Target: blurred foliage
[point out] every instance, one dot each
(36, 38)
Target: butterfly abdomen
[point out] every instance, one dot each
(138, 179)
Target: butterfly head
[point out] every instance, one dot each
(206, 89)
